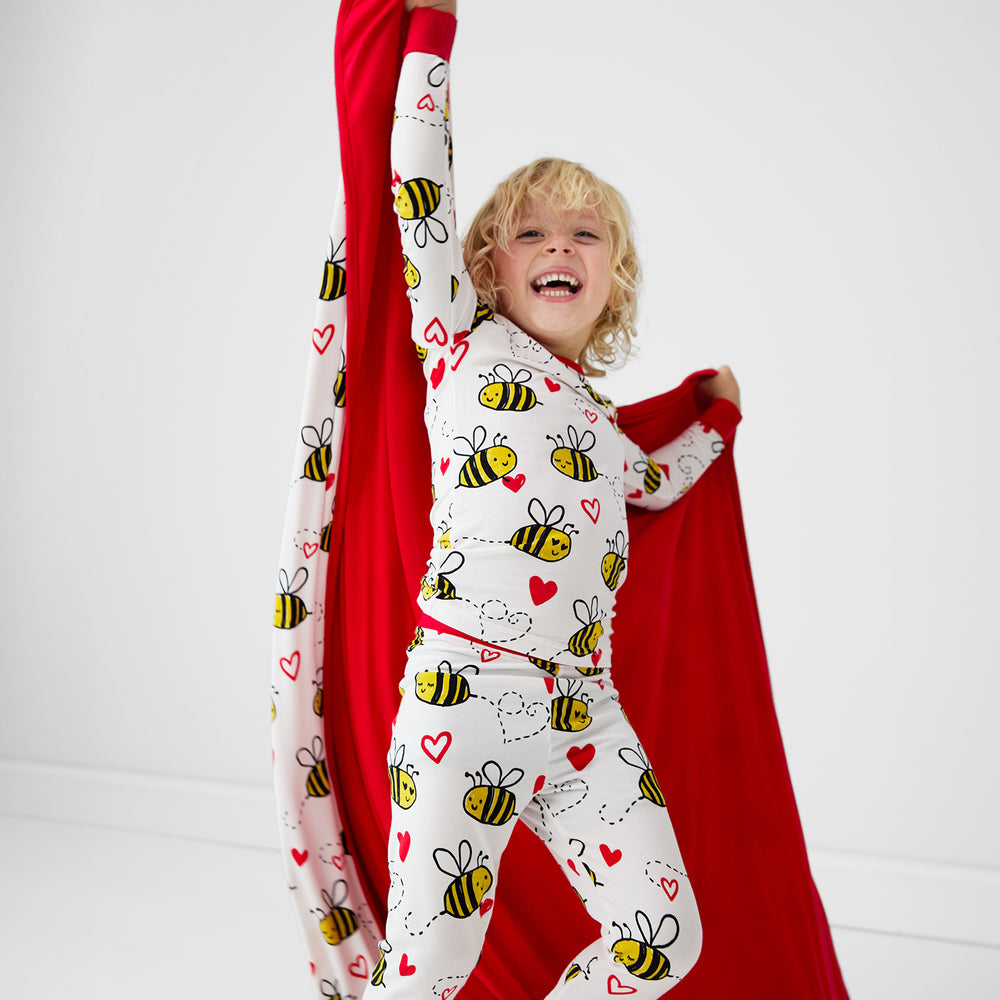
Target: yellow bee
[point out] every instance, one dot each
(652, 478)
(274, 710)
(575, 970)
(648, 785)
(324, 536)
(401, 784)
(571, 460)
(379, 971)
(418, 638)
(290, 610)
(454, 287)
(338, 923)
(490, 800)
(584, 641)
(613, 563)
(443, 687)
(643, 958)
(600, 400)
(334, 283)
(410, 273)
(417, 200)
(444, 541)
(318, 463)
(506, 389)
(421, 352)
(340, 383)
(546, 665)
(318, 697)
(570, 714)
(318, 781)
(469, 885)
(483, 315)
(485, 465)
(436, 583)
(542, 539)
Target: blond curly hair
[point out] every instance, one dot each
(569, 185)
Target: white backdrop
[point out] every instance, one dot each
(815, 190)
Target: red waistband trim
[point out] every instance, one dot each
(427, 622)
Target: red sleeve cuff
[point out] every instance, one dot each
(723, 417)
(431, 31)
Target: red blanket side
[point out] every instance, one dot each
(689, 658)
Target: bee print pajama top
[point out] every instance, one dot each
(508, 709)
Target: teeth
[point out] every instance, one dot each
(550, 279)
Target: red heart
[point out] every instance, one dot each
(309, 549)
(590, 415)
(322, 338)
(445, 462)
(514, 483)
(670, 887)
(435, 333)
(635, 495)
(438, 373)
(359, 968)
(486, 906)
(460, 344)
(592, 508)
(299, 857)
(312, 968)
(396, 179)
(404, 968)
(426, 103)
(438, 746)
(611, 857)
(539, 784)
(448, 992)
(290, 665)
(595, 658)
(580, 757)
(552, 386)
(338, 861)
(569, 861)
(542, 590)
(330, 480)
(485, 655)
(404, 844)
(617, 989)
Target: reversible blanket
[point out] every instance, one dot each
(354, 548)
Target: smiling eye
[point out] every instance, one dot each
(528, 234)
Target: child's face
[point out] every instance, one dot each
(556, 276)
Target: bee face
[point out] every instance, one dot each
(562, 459)
(404, 788)
(501, 459)
(428, 587)
(627, 951)
(410, 272)
(556, 546)
(482, 879)
(425, 685)
(611, 569)
(491, 395)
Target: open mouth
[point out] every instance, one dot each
(556, 285)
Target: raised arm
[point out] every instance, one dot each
(441, 296)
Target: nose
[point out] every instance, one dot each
(559, 244)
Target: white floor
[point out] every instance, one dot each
(89, 912)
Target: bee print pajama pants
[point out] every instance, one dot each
(483, 739)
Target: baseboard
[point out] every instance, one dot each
(912, 898)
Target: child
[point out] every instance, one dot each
(508, 686)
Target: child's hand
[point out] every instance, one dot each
(445, 5)
(721, 386)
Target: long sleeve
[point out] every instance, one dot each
(441, 296)
(661, 478)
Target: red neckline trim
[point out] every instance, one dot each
(572, 364)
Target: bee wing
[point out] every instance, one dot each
(581, 617)
(645, 927)
(326, 431)
(309, 754)
(522, 375)
(534, 507)
(464, 855)
(478, 437)
(440, 866)
(508, 779)
(655, 940)
(450, 565)
(503, 372)
(627, 752)
(595, 609)
(294, 587)
(587, 441)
